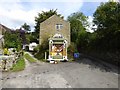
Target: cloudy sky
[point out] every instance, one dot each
(13, 13)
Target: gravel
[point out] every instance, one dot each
(83, 73)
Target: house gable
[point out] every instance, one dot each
(48, 28)
(53, 17)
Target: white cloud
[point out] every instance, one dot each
(90, 18)
(91, 28)
(14, 14)
(53, 0)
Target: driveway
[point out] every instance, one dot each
(83, 73)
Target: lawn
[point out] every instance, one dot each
(29, 58)
(20, 65)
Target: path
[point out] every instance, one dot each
(83, 73)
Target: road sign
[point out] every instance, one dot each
(76, 55)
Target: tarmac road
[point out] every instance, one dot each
(83, 73)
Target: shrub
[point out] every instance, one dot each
(71, 49)
(40, 50)
(36, 49)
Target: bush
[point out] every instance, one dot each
(71, 49)
(39, 51)
(36, 49)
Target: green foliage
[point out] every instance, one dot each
(36, 49)
(29, 58)
(83, 40)
(27, 35)
(20, 65)
(104, 42)
(78, 22)
(80, 17)
(71, 50)
(107, 17)
(107, 35)
(26, 27)
(12, 40)
(42, 17)
(41, 49)
(31, 37)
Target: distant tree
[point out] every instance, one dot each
(42, 17)
(31, 37)
(25, 35)
(12, 40)
(78, 23)
(22, 35)
(26, 27)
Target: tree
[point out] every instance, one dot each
(26, 27)
(83, 40)
(12, 40)
(107, 17)
(21, 35)
(31, 37)
(42, 17)
(78, 23)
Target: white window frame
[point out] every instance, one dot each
(59, 26)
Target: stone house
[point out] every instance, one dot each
(3, 29)
(54, 25)
(1, 37)
(57, 31)
(1, 41)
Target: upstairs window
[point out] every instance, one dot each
(59, 26)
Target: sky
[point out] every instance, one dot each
(14, 13)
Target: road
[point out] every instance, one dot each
(83, 73)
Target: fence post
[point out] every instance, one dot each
(45, 55)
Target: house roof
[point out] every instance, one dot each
(1, 36)
(4, 28)
(53, 17)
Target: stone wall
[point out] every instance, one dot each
(6, 62)
(48, 28)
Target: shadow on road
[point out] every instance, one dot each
(97, 64)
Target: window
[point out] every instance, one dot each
(59, 26)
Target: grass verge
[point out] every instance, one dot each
(20, 65)
(29, 58)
